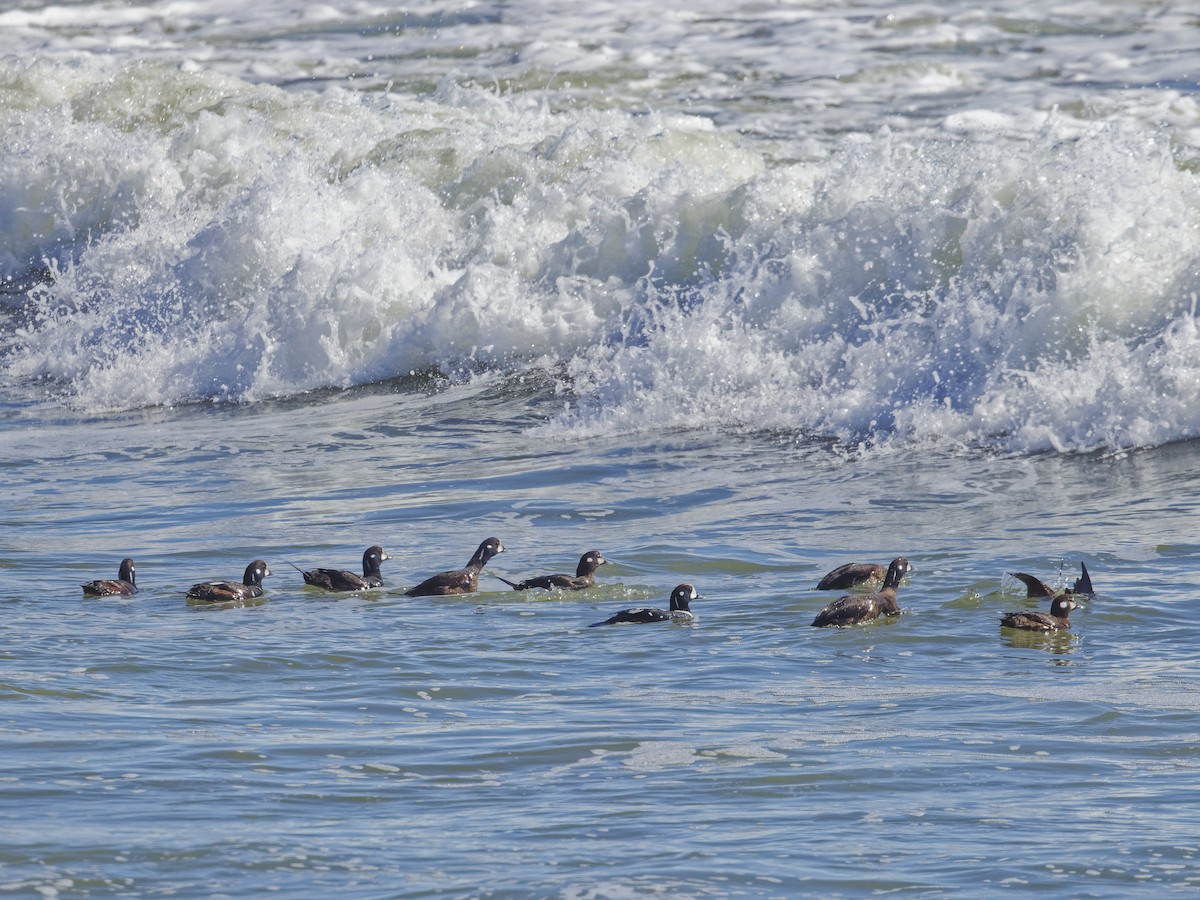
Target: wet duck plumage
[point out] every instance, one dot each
(853, 574)
(584, 576)
(855, 608)
(680, 610)
(459, 581)
(1056, 620)
(1035, 587)
(125, 584)
(343, 580)
(218, 591)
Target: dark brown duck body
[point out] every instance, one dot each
(584, 577)
(223, 591)
(1035, 587)
(459, 581)
(855, 608)
(1058, 618)
(845, 577)
(343, 580)
(680, 610)
(125, 584)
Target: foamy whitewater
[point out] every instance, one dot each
(843, 223)
(731, 292)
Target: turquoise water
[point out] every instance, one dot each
(731, 292)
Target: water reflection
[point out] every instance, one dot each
(1057, 642)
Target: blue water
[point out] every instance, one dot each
(733, 295)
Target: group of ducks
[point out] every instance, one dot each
(850, 609)
(853, 609)
(453, 581)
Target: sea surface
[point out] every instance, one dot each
(732, 292)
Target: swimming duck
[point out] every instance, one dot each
(851, 574)
(1035, 587)
(218, 591)
(584, 576)
(123, 585)
(679, 611)
(342, 580)
(459, 581)
(1057, 620)
(855, 608)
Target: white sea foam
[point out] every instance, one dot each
(990, 271)
(236, 241)
(1039, 292)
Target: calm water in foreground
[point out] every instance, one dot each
(379, 746)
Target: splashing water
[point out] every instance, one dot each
(205, 238)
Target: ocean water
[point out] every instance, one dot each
(732, 292)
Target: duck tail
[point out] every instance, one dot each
(1083, 584)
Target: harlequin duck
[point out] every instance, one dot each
(584, 576)
(1057, 620)
(851, 574)
(123, 585)
(679, 611)
(218, 591)
(342, 580)
(459, 581)
(1035, 587)
(855, 608)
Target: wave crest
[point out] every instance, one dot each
(239, 242)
